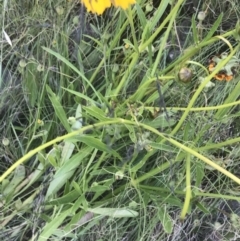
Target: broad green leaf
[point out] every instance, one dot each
(39, 171)
(58, 182)
(74, 161)
(78, 220)
(174, 201)
(161, 121)
(66, 199)
(99, 188)
(67, 151)
(165, 220)
(94, 222)
(115, 212)
(81, 202)
(51, 227)
(163, 147)
(18, 204)
(19, 175)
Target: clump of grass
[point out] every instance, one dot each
(96, 156)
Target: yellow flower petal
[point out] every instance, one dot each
(123, 3)
(96, 6)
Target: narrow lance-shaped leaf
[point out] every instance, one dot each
(58, 109)
(115, 212)
(214, 27)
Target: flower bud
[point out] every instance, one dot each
(185, 74)
(201, 16)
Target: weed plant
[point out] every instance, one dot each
(112, 126)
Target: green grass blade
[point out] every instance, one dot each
(98, 144)
(194, 29)
(214, 27)
(60, 113)
(233, 96)
(64, 60)
(51, 227)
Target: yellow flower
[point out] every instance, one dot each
(98, 6)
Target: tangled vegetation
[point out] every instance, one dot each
(120, 126)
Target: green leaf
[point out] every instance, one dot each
(67, 151)
(66, 199)
(194, 30)
(174, 201)
(199, 173)
(132, 133)
(58, 182)
(214, 27)
(158, 15)
(236, 34)
(59, 111)
(51, 227)
(115, 212)
(39, 171)
(74, 161)
(96, 112)
(126, 41)
(19, 175)
(141, 16)
(202, 208)
(96, 143)
(165, 220)
(99, 188)
(82, 96)
(161, 121)
(64, 60)
(163, 147)
(30, 77)
(233, 96)
(18, 204)
(76, 187)
(144, 26)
